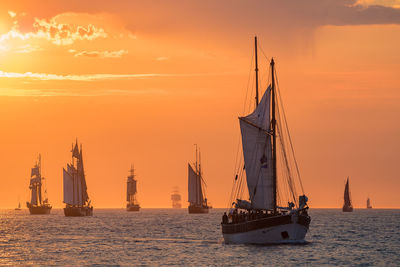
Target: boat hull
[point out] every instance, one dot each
(39, 210)
(78, 211)
(132, 207)
(197, 209)
(273, 230)
(347, 209)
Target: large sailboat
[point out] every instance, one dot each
(347, 206)
(369, 206)
(76, 198)
(39, 203)
(131, 190)
(261, 219)
(196, 188)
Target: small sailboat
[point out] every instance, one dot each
(369, 204)
(76, 198)
(196, 188)
(176, 199)
(347, 206)
(131, 185)
(39, 203)
(260, 219)
(19, 206)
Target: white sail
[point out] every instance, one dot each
(257, 151)
(193, 186)
(68, 181)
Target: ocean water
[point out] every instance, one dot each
(174, 237)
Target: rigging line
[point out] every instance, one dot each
(248, 82)
(237, 166)
(288, 133)
(287, 160)
(289, 180)
(262, 51)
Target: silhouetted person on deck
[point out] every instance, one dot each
(224, 218)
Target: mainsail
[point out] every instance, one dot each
(347, 200)
(257, 151)
(75, 188)
(194, 187)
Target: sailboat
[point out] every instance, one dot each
(176, 199)
(196, 188)
(76, 198)
(259, 219)
(19, 206)
(369, 204)
(132, 204)
(39, 203)
(347, 206)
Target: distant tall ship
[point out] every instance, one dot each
(131, 186)
(260, 219)
(196, 188)
(76, 197)
(19, 206)
(369, 204)
(347, 206)
(39, 203)
(176, 199)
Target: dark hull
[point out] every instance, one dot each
(132, 207)
(347, 209)
(197, 209)
(78, 211)
(264, 223)
(39, 210)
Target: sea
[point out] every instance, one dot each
(158, 237)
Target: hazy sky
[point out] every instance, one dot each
(142, 81)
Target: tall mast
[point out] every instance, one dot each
(39, 187)
(256, 69)
(273, 122)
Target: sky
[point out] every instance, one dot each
(141, 82)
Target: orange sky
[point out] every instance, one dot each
(142, 81)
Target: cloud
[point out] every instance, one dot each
(100, 54)
(162, 58)
(11, 13)
(59, 33)
(80, 93)
(28, 48)
(66, 34)
(96, 77)
(83, 77)
(387, 3)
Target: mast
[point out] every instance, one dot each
(82, 174)
(273, 124)
(197, 180)
(256, 69)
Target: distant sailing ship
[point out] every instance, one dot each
(196, 188)
(75, 189)
(39, 203)
(19, 206)
(260, 220)
(176, 199)
(347, 206)
(369, 204)
(131, 186)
